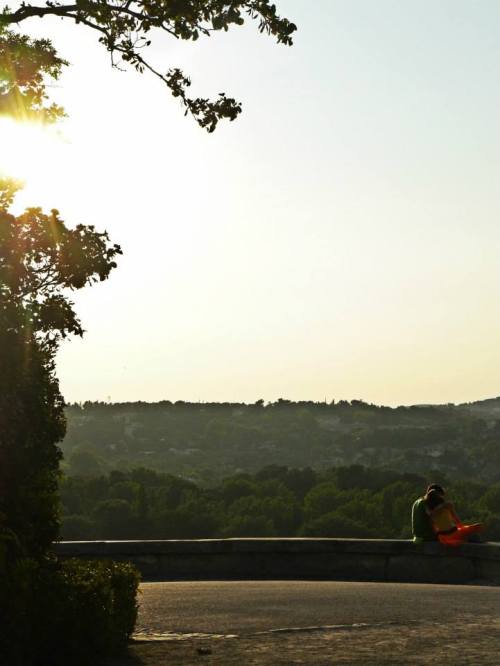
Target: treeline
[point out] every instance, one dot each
(277, 501)
(207, 442)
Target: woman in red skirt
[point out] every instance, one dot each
(445, 522)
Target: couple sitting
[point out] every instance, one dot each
(434, 519)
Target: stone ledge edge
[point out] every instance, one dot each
(484, 551)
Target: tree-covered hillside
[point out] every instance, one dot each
(207, 442)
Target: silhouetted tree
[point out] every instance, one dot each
(125, 30)
(40, 260)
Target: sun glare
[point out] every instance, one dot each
(28, 151)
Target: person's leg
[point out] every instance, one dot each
(450, 539)
(465, 531)
(461, 534)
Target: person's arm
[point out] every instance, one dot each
(430, 513)
(453, 513)
(435, 528)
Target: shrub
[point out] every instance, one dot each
(73, 612)
(16, 592)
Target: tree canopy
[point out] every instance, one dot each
(25, 66)
(41, 259)
(125, 29)
(41, 262)
(206, 442)
(277, 501)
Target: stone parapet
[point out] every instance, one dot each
(298, 558)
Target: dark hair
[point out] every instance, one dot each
(435, 486)
(433, 499)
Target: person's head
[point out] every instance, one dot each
(435, 487)
(433, 499)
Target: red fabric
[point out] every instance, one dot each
(460, 535)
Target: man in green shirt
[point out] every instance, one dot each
(421, 524)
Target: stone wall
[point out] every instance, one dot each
(279, 559)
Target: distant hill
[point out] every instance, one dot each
(206, 442)
(489, 408)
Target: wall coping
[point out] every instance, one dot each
(395, 547)
(298, 559)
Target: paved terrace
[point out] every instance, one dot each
(318, 623)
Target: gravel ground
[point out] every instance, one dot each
(252, 623)
(468, 641)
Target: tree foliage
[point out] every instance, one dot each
(41, 261)
(70, 612)
(207, 442)
(25, 67)
(338, 503)
(125, 29)
(31, 422)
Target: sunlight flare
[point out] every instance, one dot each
(28, 151)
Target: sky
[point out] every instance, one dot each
(339, 240)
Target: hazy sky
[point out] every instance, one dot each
(339, 240)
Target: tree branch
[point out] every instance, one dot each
(28, 11)
(124, 26)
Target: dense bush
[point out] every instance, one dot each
(56, 614)
(31, 423)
